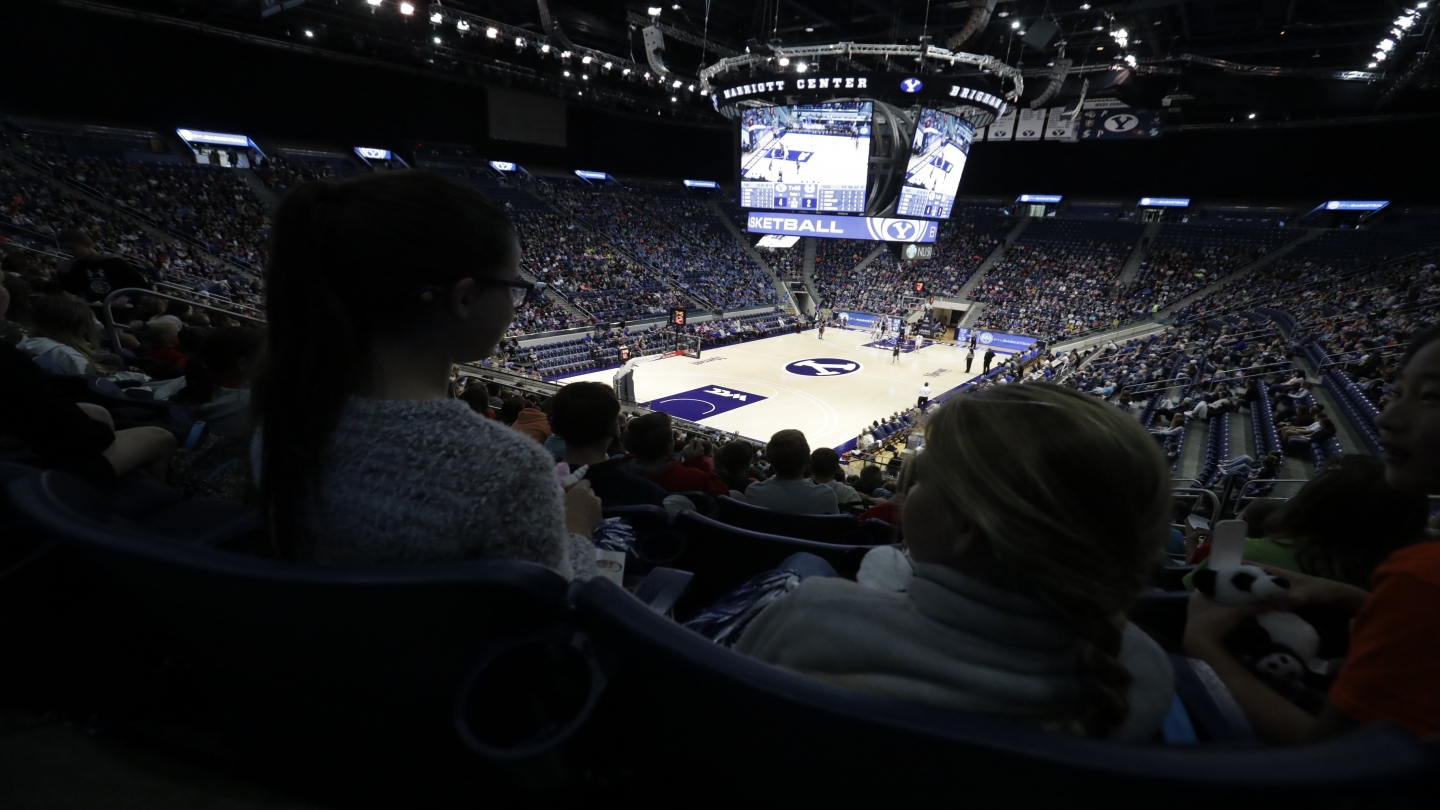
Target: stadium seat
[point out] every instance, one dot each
(744, 729)
(335, 674)
(722, 557)
(836, 529)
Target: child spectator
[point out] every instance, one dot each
(825, 471)
(66, 334)
(991, 569)
(376, 287)
(1394, 657)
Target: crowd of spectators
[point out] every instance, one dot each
(884, 285)
(1052, 291)
(209, 204)
(586, 268)
(37, 211)
(713, 268)
(1168, 274)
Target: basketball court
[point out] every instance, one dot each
(830, 389)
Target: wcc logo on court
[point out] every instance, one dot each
(911, 85)
(823, 367)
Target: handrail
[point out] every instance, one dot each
(1200, 495)
(112, 331)
(230, 301)
(1285, 365)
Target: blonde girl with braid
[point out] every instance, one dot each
(1034, 515)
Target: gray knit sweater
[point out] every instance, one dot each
(420, 481)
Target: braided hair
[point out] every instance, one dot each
(1070, 498)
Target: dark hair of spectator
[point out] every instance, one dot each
(73, 237)
(226, 357)
(1347, 520)
(510, 410)
(352, 260)
(1420, 340)
(478, 399)
(824, 461)
(788, 453)
(735, 457)
(68, 321)
(583, 413)
(648, 437)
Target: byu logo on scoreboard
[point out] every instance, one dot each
(911, 85)
(900, 230)
(822, 367)
(1121, 123)
(987, 338)
(896, 230)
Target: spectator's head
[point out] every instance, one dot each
(164, 334)
(824, 465)
(76, 242)
(66, 320)
(788, 453)
(649, 437)
(1055, 495)
(871, 477)
(735, 457)
(585, 414)
(225, 359)
(1347, 520)
(365, 275)
(510, 411)
(1257, 515)
(1410, 425)
(478, 400)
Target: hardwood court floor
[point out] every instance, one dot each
(829, 409)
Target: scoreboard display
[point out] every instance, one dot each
(808, 158)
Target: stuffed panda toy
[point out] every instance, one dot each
(1280, 633)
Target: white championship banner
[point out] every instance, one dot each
(1031, 126)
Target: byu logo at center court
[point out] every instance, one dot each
(911, 85)
(823, 367)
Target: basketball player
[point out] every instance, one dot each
(822, 330)
(895, 353)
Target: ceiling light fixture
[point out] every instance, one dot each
(492, 32)
(1015, 24)
(654, 11)
(784, 61)
(309, 33)
(437, 40)
(801, 68)
(462, 26)
(407, 9)
(1084, 6)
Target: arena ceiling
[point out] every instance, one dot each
(1212, 62)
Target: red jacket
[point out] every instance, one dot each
(679, 478)
(534, 424)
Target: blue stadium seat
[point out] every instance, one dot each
(722, 557)
(344, 674)
(836, 529)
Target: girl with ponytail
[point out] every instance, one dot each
(376, 286)
(1033, 518)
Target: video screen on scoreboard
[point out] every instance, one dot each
(809, 157)
(937, 158)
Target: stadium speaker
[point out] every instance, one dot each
(979, 18)
(1039, 34)
(654, 47)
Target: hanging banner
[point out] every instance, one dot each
(1031, 126)
(1119, 122)
(1003, 128)
(1060, 127)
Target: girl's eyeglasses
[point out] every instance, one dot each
(519, 289)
